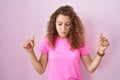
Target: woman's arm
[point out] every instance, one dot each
(90, 64)
(39, 65)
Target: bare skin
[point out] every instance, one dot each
(90, 64)
(62, 26)
(39, 65)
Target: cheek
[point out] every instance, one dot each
(68, 30)
(57, 28)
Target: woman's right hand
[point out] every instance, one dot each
(29, 45)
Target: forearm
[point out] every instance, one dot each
(103, 45)
(95, 63)
(36, 64)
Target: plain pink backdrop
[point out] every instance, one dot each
(21, 19)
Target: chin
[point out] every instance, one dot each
(63, 36)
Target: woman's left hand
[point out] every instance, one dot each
(103, 44)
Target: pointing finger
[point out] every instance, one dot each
(33, 37)
(101, 35)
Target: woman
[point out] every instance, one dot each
(64, 46)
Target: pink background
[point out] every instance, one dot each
(21, 19)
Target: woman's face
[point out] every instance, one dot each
(63, 25)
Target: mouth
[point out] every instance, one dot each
(63, 32)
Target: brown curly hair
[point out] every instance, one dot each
(76, 34)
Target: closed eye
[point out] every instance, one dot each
(59, 24)
(68, 24)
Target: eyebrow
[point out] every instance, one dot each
(61, 22)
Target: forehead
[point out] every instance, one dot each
(63, 18)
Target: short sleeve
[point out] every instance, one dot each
(84, 50)
(44, 46)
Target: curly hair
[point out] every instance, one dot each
(76, 34)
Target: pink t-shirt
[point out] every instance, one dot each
(63, 63)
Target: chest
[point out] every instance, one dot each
(62, 52)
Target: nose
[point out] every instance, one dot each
(63, 28)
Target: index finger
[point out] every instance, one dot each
(33, 37)
(101, 34)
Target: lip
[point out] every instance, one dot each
(63, 32)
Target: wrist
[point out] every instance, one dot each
(30, 51)
(100, 53)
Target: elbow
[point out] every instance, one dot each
(40, 72)
(91, 70)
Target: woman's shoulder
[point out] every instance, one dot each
(45, 38)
